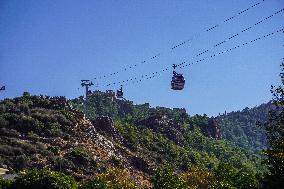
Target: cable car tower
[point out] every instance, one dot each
(86, 83)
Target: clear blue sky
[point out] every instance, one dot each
(47, 47)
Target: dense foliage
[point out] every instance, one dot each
(275, 136)
(32, 129)
(241, 128)
(44, 180)
(171, 135)
(151, 138)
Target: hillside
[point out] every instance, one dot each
(243, 127)
(115, 135)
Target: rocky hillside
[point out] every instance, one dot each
(240, 127)
(43, 132)
(133, 140)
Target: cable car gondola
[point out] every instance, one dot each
(178, 80)
(119, 93)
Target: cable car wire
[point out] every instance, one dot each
(216, 45)
(238, 34)
(183, 64)
(194, 37)
(230, 49)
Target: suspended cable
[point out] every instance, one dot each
(182, 43)
(237, 34)
(224, 41)
(230, 49)
(183, 64)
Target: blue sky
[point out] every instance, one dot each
(47, 47)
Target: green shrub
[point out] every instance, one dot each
(227, 175)
(115, 161)
(32, 136)
(167, 179)
(80, 157)
(21, 162)
(221, 185)
(53, 149)
(5, 184)
(63, 164)
(197, 177)
(44, 180)
(3, 122)
(9, 132)
(118, 178)
(55, 129)
(97, 183)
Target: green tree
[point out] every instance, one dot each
(228, 176)
(275, 137)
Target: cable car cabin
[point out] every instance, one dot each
(178, 81)
(119, 93)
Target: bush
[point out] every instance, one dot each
(198, 178)
(221, 185)
(33, 136)
(21, 162)
(55, 129)
(44, 180)
(54, 149)
(167, 179)
(121, 179)
(8, 150)
(115, 161)
(9, 132)
(5, 184)
(63, 164)
(97, 183)
(81, 157)
(227, 175)
(3, 122)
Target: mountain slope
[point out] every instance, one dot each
(242, 128)
(53, 133)
(173, 126)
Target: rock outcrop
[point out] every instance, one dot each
(105, 126)
(164, 125)
(212, 129)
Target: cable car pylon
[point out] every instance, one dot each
(86, 83)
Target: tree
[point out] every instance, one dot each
(229, 177)
(167, 179)
(275, 137)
